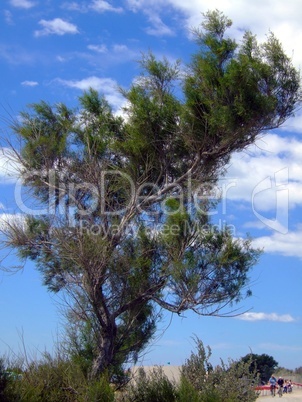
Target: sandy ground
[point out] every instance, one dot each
(172, 372)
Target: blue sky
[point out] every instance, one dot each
(52, 51)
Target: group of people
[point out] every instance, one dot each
(284, 386)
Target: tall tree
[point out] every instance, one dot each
(264, 365)
(127, 232)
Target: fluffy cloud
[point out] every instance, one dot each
(268, 169)
(8, 166)
(288, 244)
(56, 26)
(294, 124)
(99, 84)
(158, 28)
(267, 180)
(98, 48)
(152, 9)
(74, 6)
(22, 3)
(274, 16)
(266, 317)
(8, 17)
(102, 6)
(29, 83)
(107, 86)
(7, 219)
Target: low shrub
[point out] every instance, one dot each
(154, 387)
(56, 380)
(227, 382)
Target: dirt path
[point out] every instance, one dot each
(295, 396)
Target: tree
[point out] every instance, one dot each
(127, 232)
(298, 370)
(264, 364)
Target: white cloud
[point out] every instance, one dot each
(61, 59)
(294, 124)
(102, 6)
(152, 10)
(8, 166)
(106, 86)
(259, 174)
(288, 244)
(6, 219)
(101, 54)
(22, 3)
(90, 82)
(266, 317)
(276, 16)
(29, 83)
(266, 180)
(120, 49)
(74, 6)
(56, 26)
(98, 48)
(158, 28)
(8, 17)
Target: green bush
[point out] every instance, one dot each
(154, 387)
(227, 383)
(186, 392)
(55, 379)
(98, 391)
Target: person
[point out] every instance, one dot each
(280, 383)
(273, 382)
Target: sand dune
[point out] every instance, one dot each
(172, 372)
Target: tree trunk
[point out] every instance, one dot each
(105, 354)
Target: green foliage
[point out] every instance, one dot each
(128, 216)
(100, 126)
(152, 142)
(154, 387)
(54, 379)
(186, 391)
(227, 382)
(264, 364)
(235, 92)
(197, 366)
(45, 134)
(99, 391)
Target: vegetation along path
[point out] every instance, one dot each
(296, 395)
